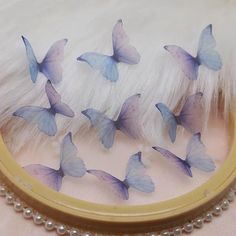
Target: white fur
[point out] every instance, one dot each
(88, 25)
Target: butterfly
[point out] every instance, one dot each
(135, 178)
(122, 52)
(127, 121)
(206, 55)
(45, 117)
(51, 64)
(70, 165)
(190, 117)
(195, 157)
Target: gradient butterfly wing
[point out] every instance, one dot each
(71, 164)
(196, 156)
(136, 176)
(123, 51)
(51, 64)
(45, 175)
(116, 185)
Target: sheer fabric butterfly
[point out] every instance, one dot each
(45, 117)
(70, 164)
(122, 52)
(135, 178)
(206, 55)
(195, 157)
(127, 121)
(51, 64)
(190, 117)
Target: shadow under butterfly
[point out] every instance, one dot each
(50, 65)
(122, 52)
(195, 157)
(206, 55)
(72, 165)
(127, 122)
(44, 118)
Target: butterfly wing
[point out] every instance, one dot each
(206, 54)
(136, 177)
(45, 175)
(191, 115)
(123, 51)
(44, 119)
(105, 126)
(188, 63)
(169, 119)
(55, 101)
(196, 156)
(117, 186)
(71, 164)
(181, 164)
(33, 64)
(128, 121)
(51, 64)
(105, 64)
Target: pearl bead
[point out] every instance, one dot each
(2, 191)
(198, 223)
(188, 228)
(217, 210)
(208, 217)
(18, 206)
(225, 204)
(49, 225)
(231, 196)
(38, 219)
(9, 199)
(177, 232)
(165, 233)
(61, 229)
(87, 234)
(74, 232)
(27, 213)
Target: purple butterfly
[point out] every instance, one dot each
(195, 157)
(122, 52)
(135, 178)
(127, 121)
(190, 117)
(45, 117)
(70, 164)
(51, 64)
(206, 55)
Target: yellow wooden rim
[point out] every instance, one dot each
(117, 219)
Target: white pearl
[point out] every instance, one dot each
(217, 210)
(38, 219)
(165, 233)
(231, 196)
(225, 204)
(74, 232)
(49, 225)
(198, 223)
(188, 228)
(87, 234)
(9, 199)
(2, 191)
(61, 229)
(27, 213)
(208, 217)
(18, 206)
(177, 231)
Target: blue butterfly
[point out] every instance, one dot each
(70, 165)
(122, 52)
(206, 55)
(135, 178)
(45, 117)
(51, 64)
(195, 157)
(127, 121)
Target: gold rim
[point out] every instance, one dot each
(117, 219)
